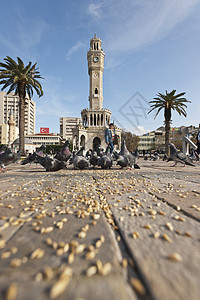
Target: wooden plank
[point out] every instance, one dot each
(165, 278)
(59, 200)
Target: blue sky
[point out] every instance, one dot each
(150, 46)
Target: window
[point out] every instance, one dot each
(96, 91)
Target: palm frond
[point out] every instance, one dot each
(27, 69)
(38, 88)
(12, 88)
(158, 112)
(11, 62)
(7, 83)
(172, 93)
(181, 111)
(169, 101)
(29, 92)
(180, 95)
(20, 63)
(13, 73)
(6, 66)
(3, 81)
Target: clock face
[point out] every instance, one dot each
(96, 59)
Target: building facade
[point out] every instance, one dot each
(66, 127)
(156, 139)
(29, 147)
(10, 103)
(152, 141)
(95, 119)
(39, 139)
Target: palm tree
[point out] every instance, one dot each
(21, 79)
(169, 102)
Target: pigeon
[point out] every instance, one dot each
(88, 153)
(132, 161)
(194, 156)
(94, 158)
(7, 158)
(64, 154)
(80, 151)
(32, 158)
(124, 150)
(105, 162)
(165, 157)
(51, 163)
(100, 151)
(122, 161)
(78, 160)
(126, 158)
(155, 156)
(178, 156)
(3, 149)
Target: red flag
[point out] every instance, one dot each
(44, 130)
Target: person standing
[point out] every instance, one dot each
(198, 141)
(110, 137)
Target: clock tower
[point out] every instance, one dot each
(95, 57)
(95, 119)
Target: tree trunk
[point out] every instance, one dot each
(21, 117)
(167, 129)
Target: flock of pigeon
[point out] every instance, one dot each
(177, 156)
(93, 158)
(80, 161)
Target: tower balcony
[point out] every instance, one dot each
(95, 117)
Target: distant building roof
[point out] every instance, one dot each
(162, 128)
(44, 134)
(26, 141)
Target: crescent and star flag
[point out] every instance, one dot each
(44, 130)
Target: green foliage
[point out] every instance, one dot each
(22, 80)
(15, 74)
(169, 101)
(52, 149)
(194, 138)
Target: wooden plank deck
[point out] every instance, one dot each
(114, 234)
